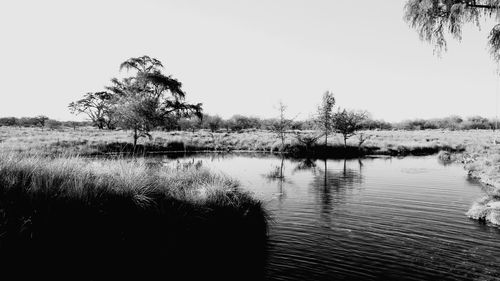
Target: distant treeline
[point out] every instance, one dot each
(451, 123)
(240, 122)
(41, 121)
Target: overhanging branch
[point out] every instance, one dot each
(473, 4)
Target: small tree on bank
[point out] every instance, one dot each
(324, 115)
(347, 122)
(281, 125)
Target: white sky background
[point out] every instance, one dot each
(242, 57)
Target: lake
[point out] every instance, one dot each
(368, 219)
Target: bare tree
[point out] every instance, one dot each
(347, 122)
(324, 116)
(281, 125)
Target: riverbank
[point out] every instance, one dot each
(90, 141)
(89, 219)
(484, 166)
(481, 160)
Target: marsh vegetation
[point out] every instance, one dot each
(95, 217)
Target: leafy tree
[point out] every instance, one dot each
(40, 120)
(371, 124)
(476, 122)
(149, 98)
(212, 122)
(189, 124)
(8, 121)
(54, 124)
(26, 122)
(98, 107)
(240, 122)
(434, 18)
(324, 116)
(347, 122)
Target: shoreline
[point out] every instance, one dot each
(487, 208)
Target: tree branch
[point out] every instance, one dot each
(472, 4)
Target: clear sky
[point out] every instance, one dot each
(243, 57)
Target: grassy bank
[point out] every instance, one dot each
(83, 219)
(481, 160)
(90, 141)
(483, 164)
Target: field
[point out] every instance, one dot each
(91, 141)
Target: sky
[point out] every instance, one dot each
(243, 57)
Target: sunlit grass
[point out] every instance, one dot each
(89, 141)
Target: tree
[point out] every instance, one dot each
(149, 98)
(97, 106)
(347, 122)
(324, 116)
(40, 120)
(477, 122)
(434, 18)
(240, 122)
(212, 122)
(8, 121)
(281, 125)
(189, 124)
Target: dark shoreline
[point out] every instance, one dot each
(295, 151)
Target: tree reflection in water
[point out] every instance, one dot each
(332, 184)
(277, 175)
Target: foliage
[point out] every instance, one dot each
(98, 107)
(189, 124)
(433, 19)
(8, 121)
(240, 122)
(213, 123)
(347, 122)
(149, 98)
(371, 124)
(41, 120)
(324, 115)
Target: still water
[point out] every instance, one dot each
(368, 219)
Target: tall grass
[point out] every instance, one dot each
(76, 218)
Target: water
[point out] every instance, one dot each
(369, 219)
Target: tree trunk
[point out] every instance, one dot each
(281, 166)
(345, 142)
(325, 183)
(135, 141)
(282, 142)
